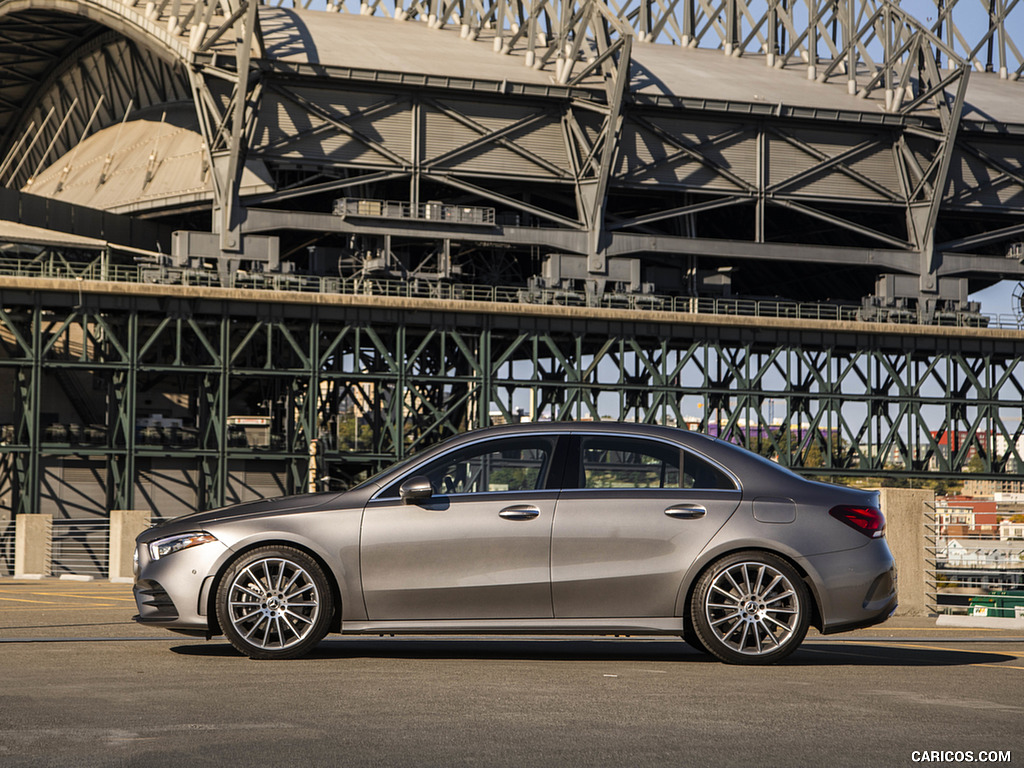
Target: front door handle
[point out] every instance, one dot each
(519, 512)
(686, 511)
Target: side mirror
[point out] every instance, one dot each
(416, 488)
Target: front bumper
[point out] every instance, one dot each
(172, 592)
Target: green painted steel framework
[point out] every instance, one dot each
(828, 399)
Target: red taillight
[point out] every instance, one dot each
(867, 520)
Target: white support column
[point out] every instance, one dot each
(33, 535)
(125, 525)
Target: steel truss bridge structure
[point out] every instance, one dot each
(859, 154)
(835, 398)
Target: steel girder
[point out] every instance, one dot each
(873, 188)
(826, 399)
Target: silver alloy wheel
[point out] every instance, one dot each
(752, 608)
(273, 603)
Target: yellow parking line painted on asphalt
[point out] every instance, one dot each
(995, 666)
(69, 595)
(98, 596)
(946, 630)
(23, 600)
(64, 608)
(78, 604)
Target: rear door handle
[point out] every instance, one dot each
(519, 512)
(686, 511)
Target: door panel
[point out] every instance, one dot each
(624, 538)
(479, 548)
(618, 554)
(459, 557)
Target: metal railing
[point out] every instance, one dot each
(963, 566)
(81, 547)
(433, 289)
(7, 547)
(432, 211)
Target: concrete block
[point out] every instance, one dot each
(980, 622)
(33, 536)
(907, 511)
(125, 525)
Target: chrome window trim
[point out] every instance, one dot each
(652, 490)
(488, 494)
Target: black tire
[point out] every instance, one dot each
(750, 608)
(690, 637)
(275, 603)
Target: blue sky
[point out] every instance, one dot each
(997, 300)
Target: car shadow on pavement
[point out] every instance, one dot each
(809, 655)
(886, 655)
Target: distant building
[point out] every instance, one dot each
(1010, 531)
(965, 516)
(984, 555)
(1004, 489)
(994, 443)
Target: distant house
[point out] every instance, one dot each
(1010, 531)
(961, 515)
(966, 553)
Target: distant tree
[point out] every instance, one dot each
(813, 456)
(349, 426)
(976, 464)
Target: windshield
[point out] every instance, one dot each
(385, 471)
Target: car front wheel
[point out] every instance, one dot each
(750, 608)
(274, 603)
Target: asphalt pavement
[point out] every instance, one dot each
(85, 686)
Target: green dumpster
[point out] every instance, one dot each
(1000, 604)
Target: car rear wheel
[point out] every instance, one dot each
(274, 603)
(691, 639)
(750, 608)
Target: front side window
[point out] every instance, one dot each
(627, 462)
(511, 464)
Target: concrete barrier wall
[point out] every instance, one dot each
(907, 511)
(125, 525)
(32, 537)
(33, 543)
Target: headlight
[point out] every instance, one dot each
(170, 545)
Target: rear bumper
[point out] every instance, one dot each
(855, 588)
(870, 622)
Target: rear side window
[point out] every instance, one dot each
(629, 462)
(494, 466)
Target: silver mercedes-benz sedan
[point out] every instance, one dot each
(586, 528)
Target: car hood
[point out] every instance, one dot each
(262, 507)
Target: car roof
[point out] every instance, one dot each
(625, 427)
